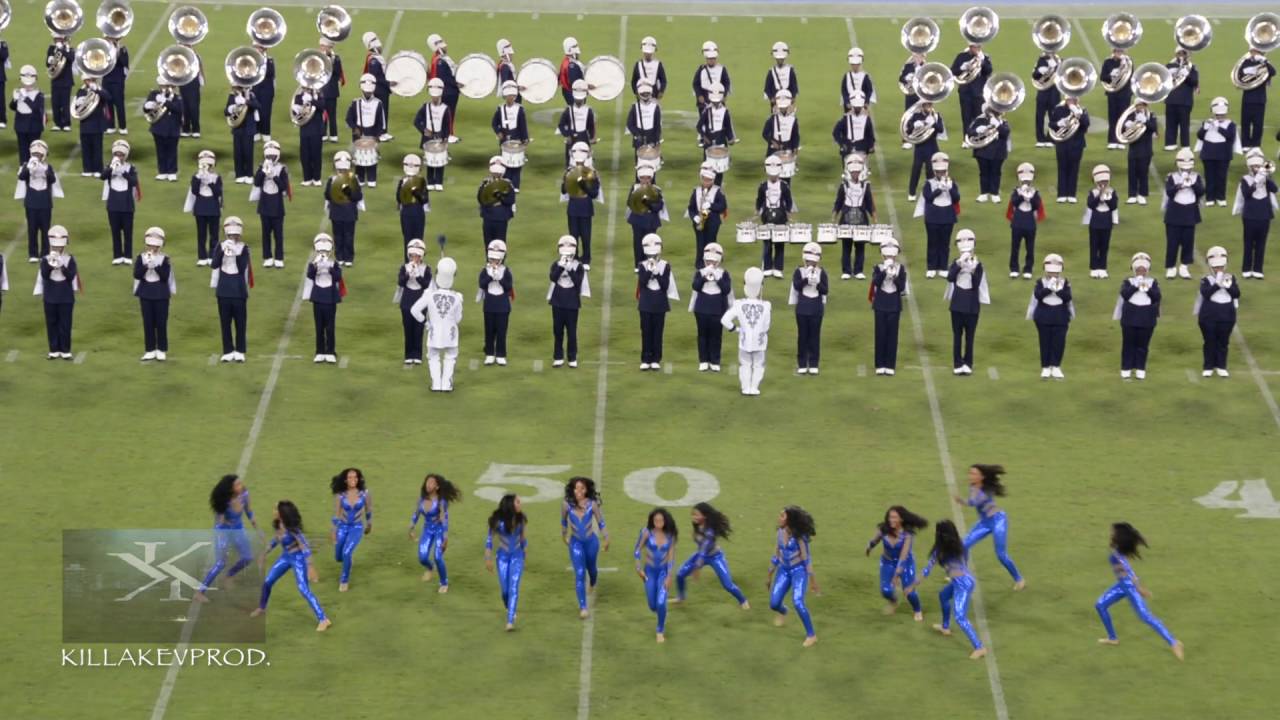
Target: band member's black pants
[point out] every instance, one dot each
(435, 175)
(91, 152)
(564, 322)
(233, 311)
(652, 326)
(1139, 176)
(580, 227)
(1251, 119)
(963, 326)
(206, 234)
(57, 324)
(310, 152)
(167, 155)
(38, 220)
(1179, 245)
(155, 324)
(331, 112)
(495, 333)
(121, 234)
(494, 230)
(190, 107)
(242, 154)
(1255, 244)
(1135, 342)
(774, 258)
(413, 224)
(367, 173)
(1016, 239)
(938, 238)
(702, 238)
(1068, 168)
(808, 340)
(60, 104)
(412, 333)
(1053, 344)
(1217, 341)
(989, 175)
(272, 227)
(1215, 179)
(344, 240)
(710, 336)
(1099, 246)
(859, 253)
(887, 339)
(326, 317)
(1177, 125)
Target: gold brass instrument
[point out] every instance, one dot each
(580, 181)
(642, 197)
(114, 19)
(245, 67)
(1152, 83)
(337, 192)
(178, 65)
(1121, 31)
(978, 25)
(266, 28)
(63, 18)
(493, 190)
(312, 69)
(413, 191)
(188, 25)
(95, 58)
(6, 13)
(920, 35)
(334, 23)
(704, 212)
(1076, 77)
(1262, 34)
(1051, 34)
(1003, 93)
(161, 109)
(1193, 33)
(932, 83)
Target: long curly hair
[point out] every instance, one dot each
(338, 484)
(800, 523)
(445, 490)
(223, 491)
(910, 521)
(947, 545)
(668, 523)
(592, 494)
(991, 482)
(507, 514)
(290, 518)
(713, 520)
(1125, 538)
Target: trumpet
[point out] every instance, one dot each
(1263, 35)
(54, 259)
(1121, 31)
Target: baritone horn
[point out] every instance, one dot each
(334, 23)
(932, 83)
(178, 65)
(266, 27)
(1263, 35)
(188, 25)
(1051, 34)
(1152, 83)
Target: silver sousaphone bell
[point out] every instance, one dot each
(114, 19)
(932, 83)
(334, 23)
(979, 26)
(1152, 83)
(312, 69)
(188, 25)
(1051, 34)
(1003, 93)
(266, 27)
(920, 36)
(178, 65)
(95, 58)
(245, 67)
(1262, 34)
(1076, 78)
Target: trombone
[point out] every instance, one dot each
(334, 23)
(1121, 31)
(1263, 35)
(932, 83)
(1051, 34)
(188, 25)
(1076, 77)
(920, 36)
(978, 25)
(1152, 83)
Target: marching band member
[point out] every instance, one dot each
(580, 209)
(1071, 150)
(60, 84)
(781, 129)
(311, 134)
(165, 131)
(1255, 203)
(1177, 107)
(712, 296)
(4, 66)
(190, 94)
(1137, 309)
(367, 117)
(325, 288)
(154, 284)
(1118, 100)
(330, 92)
(412, 200)
(1253, 103)
(648, 69)
(92, 127)
(509, 123)
(581, 528)
(350, 501)
(649, 213)
(710, 528)
(343, 201)
(939, 205)
(782, 76)
(1125, 540)
(808, 293)
(889, 284)
(644, 122)
(121, 191)
(230, 503)
(440, 307)
(37, 186)
(792, 568)
(496, 290)
(984, 487)
(4, 272)
(905, 78)
(856, 81)
(295, 554)
(578, 121)
(441, 68)
(1101, 214)
(750, 317)
(1183, 189)
(1025, 213)
(571, 71)
(58, 281)
(854, 205)
(413, 280)
(271, 186)
(655, 562)
(28, 112)
(708, 206)
(375, 66)
(709, 75)
(435, 497)
(1216, 140)
(952, 556)
(655, 289)
(1048, 98)
(991, 156)
(774, 205)
(204, 202)
(968, 291)
(1216, 306)
(924, 151)
(970, 94)
(232, 279)
(242, 136)
(496, 214)
(508, 522)
(265, 91)
(715, 124)
(1052, 310)
(855, 133)
(434, 121)
(1140, 152)
(507, 65)
(569, 285)
(897, 535)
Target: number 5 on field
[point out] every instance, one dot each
(535, 484)
(1255, 499)
(533, 477)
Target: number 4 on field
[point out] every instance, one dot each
(1255, 499)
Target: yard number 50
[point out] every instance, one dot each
(534, 484)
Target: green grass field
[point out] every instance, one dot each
(114, 443)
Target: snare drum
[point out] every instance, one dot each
(718, 156)
(788, 158)
(764, 232)
(364, 152)
(861, 233)
(538, 80)
(477, 76)
(845, 232)
(651, 155)
(746, 232)
(513, 153)
(828, 232)
(881, 233)
(408, 70)
(606, 77)
(799, 233)
(435, 153)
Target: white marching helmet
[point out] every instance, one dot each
(367, 83)
(27, 75)
(505, 48)
(652, 245)
(580, 152)
(644, 87)
(510, 88)
(1053, 263)
(416, 247)
(579, 89)
(966, 240)
(715, 93)
(271, 149)
(121, 147)
(1026, 172)
(435, 87)
(154, 237)
(1140, 260)
(433, 41)
(940, 161)
(855, 165)
(567, 245)
(645, 170)
(1184, 159)
(782, 99)
(773, 166)
(232, 226)
(497, 250)
(710, 49)
(753, 282)
(707, 171)
(412, 164)
(371, 41)
(342, 160)
(204, 157)
(781, 50)
(1255, 158)
(713, 252)
(323, 243)
(1219, 105)
(858, 99)
(1101, 173)
(570, 46)
(890, 248)
(811, 252)
(648, 44)
(495, 165)
(57, 236)
(38, 147)
(445, 270)
(1217, 257)
(855, 56)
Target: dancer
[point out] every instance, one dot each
(655, 557)
(710, 526)
(984, 487)
(792, 568)
(897, 535)
(508, 523)
(295, 554)
(230, 502)
(1125, 540)
(435, 497)
(580, 517)
(949, 554)
(350, 500)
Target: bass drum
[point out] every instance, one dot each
(606, 77)
(538, 80)
(407, 73)
(477, 76)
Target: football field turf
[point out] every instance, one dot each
(109, 442)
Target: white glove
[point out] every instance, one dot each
(306, 97)
(17, 94)
(1225, 281)
(240, 100)
(149, 105)
(917, 124)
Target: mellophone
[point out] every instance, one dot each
(800, 233)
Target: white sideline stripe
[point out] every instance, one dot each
(602, 374)
(11, 356)
(395, 27)
(944, 451)
(246, 455)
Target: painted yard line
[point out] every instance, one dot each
(395, 27)
(862, 370)
(80, 356)
(474, 364)
(213, 359)
(944, 451)
(602, 374)
(668, 367)
(11, 356)
(1192, 376)
(993, 373)
(343, 362)
(537, 366)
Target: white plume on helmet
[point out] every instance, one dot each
(753, 282)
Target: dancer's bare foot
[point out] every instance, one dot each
(342, 587)
(583, 613)
(979, 653)
(944, 631)
(662, 638)
(919, 617)
(745, 605)
(780, 620)
(443, 589)
(201, 597)
(890, 608)
(810, 641)
(324, 625)
(1177, 650)
(257, 611)
(1020, 584)
(426, 576)
(510, 627)
(1108, 641)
